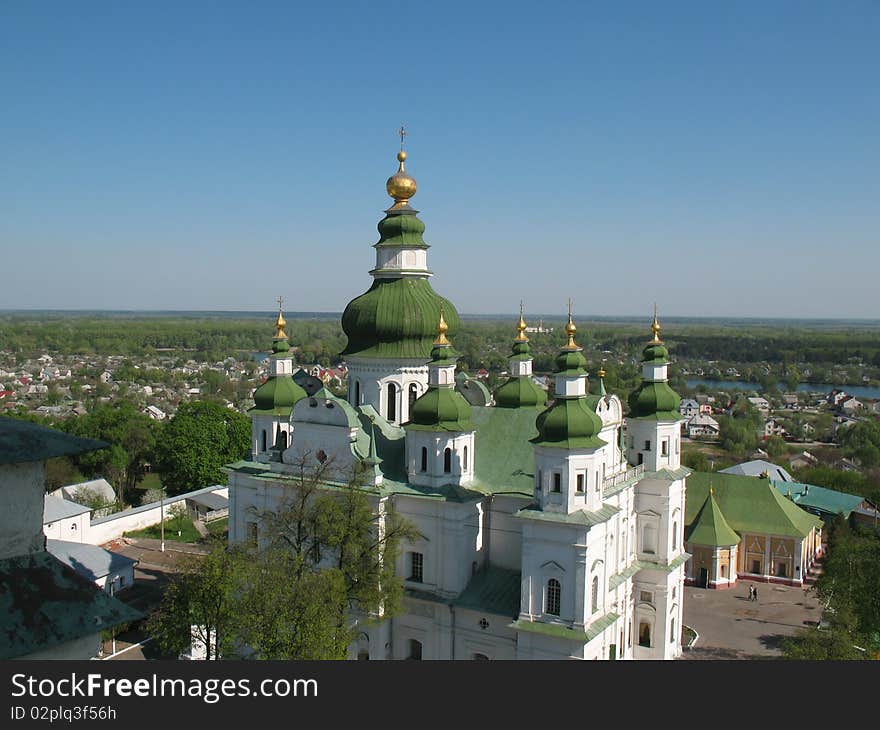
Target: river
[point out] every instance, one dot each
(859, 391)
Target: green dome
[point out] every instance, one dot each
(655, 352)
(569, 423)
(520, 392)
(654, 400)
(277, 395)
(401, 230)
(441, 409)
(396, 318)
(521, 351)
(570, 360)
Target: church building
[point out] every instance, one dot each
(545, 530)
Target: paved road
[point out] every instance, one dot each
(731, 626)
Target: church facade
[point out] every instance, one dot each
(545, 531)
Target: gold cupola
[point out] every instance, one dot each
(401, 186)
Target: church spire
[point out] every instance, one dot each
(521, 326)
(279, 341)
(655, 328)
(570, 330)
(401, 186)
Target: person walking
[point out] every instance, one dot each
(751, 594)
(755, 594)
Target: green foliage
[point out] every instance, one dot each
(203, 595)
(695, 460)
(737, 435)
(132, 439)
(60, 472)
(775, 447)
(862, 441)
(197, 442)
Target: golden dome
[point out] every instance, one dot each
(280, 323)
(521, 327)
(401, 186)
(570, 329)
(655, 328)
(442, 329)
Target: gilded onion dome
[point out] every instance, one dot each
(520, 391)
(441, 407)
(396, 317)
(570, 422)
(654, 399)
(279, 393)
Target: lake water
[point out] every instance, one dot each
(859, 391)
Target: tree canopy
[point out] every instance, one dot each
(197, 442)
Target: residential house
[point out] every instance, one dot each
(110, 571)
(760, 404)
(851, 405)
(702, 426)
(689, 407)
(772, 427)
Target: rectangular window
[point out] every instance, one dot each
(415, 567)
(557, 481)
(580, 483)
(756, 566)
(647, 445)
(646, 596)
(672, 631)
(664, 447)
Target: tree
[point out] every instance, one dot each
(200, 602)
(132, 438)
(180, 514)
(197, 442)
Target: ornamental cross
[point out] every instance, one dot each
(402, 132)
(280, 301)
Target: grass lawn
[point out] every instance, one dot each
(151, 481)
(188, 532)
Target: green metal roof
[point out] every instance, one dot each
(569, 423)
(578, 517)
(493, 590)
(474, 392)
(22, 441)
(520, 392)
(396, 318)
(749, 504)
(815, 498)
(561, 631)
(277, 396)
(655, 400)
(710, 528)
(401, 229)
(440, 409)
(44, 603)
(504, 460)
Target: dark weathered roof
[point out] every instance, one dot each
(44, 603)
(22, 441)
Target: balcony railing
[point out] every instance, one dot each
(632, 473)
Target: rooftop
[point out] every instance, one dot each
(22, 441)
(58, 508)
(90, 561)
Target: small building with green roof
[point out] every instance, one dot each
(778, 541)
(712, 544)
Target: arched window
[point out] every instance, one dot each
(554, 596)
(464, 459)
(263, 440)
(363, 655)
(424, 458)
(447, 461)
(672, 631)
(595, 593)
(413, 396)
(675, 535)
(392, 403)
(480, 657)
(282, 439)
(357, 392)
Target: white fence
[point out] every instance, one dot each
(109, 528)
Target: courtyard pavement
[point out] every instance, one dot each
(732, 627)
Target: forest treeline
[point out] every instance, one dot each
(482, 343)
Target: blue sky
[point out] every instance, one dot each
(719, 159)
